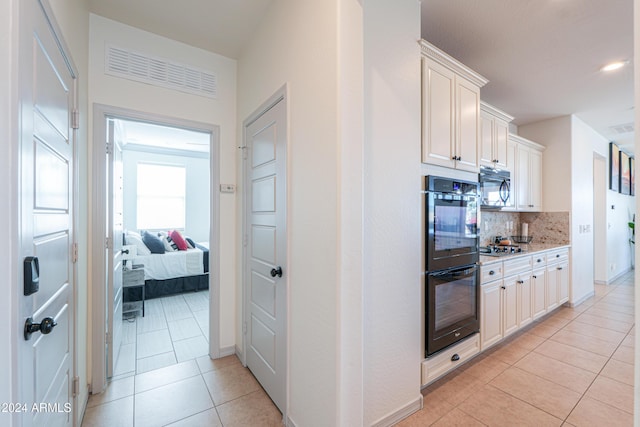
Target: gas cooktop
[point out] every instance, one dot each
(499, 250)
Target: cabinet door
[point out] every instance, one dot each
(486, 139)
(562, 272)
(522, 181)
(552, 287)
(501, 135)
(509, 305)
(525, 315)
(539, 303)
(438, 96)
(490, 308)
(535, 180)
(467, 115)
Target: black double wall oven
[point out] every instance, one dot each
(452, 285)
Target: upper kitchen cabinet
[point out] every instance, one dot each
(527, 174)
(450, 111)
(494, 133)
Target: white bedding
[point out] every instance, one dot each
(172, 264)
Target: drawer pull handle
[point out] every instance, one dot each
(559, 268)
(455, 357)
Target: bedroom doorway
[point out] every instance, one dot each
(167, 310)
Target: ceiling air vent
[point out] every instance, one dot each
(623, 128)
(159, 72)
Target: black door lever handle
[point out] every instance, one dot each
(46, 326)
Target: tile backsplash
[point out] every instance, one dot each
(545, 227)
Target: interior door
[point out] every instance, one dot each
(265, 318)
(47, 100)
(114, 297)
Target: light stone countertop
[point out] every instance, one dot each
(530, 249)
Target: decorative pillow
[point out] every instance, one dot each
(169, 245)
(190, 243)
(178, 240)
(154, 244)
(135, 239)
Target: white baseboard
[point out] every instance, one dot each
(617, 276)
(581, 300)
(400, 414)
(228, 351)
(238, 352)
(289, 422)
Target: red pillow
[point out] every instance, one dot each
(178, 240)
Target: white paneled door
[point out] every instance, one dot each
(265, 283)
(46, 223)
(115, 226)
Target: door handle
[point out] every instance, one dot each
(45, 327)
(276, 272)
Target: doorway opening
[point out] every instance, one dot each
(160, 304)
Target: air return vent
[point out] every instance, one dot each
(159, 72)
(623, 128)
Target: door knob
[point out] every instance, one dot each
(276, 272)
(46, 326)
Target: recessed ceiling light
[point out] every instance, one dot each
(614, 66)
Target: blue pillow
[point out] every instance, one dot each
(154, 244)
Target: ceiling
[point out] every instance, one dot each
(542, 57)
(142, 134)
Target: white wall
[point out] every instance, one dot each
(571, 142)
(141, 97)
(296, 44)
(392, 206)
(197, 190)
(372, 221)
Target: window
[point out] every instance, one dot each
(161, 196)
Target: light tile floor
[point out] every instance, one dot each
(174, 329)
(164, 376)
(571, 368)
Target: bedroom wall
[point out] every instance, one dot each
(122, 93)
(197, 195)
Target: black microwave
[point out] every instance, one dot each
(495, 188)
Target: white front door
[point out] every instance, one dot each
(266, 251)
(46, 222)
(115, 228)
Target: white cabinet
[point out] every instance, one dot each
(450, 111)
(494, 134)
(490, 314)
(527, 172)
(557, 278)
(538, 286)
(449, 359)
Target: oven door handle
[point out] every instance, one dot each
(504, 191)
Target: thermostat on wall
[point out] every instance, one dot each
(227, 188)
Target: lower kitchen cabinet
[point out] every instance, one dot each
(490, 314)
(538, 292)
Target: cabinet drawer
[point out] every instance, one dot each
(539, 259)
(441, 363)
(557, 256)
(517, 266)
(490, 272)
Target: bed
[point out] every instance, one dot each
(173, 272)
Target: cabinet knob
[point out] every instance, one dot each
(491, 273)
(559, 268)
(535, 277)
(521, 281)
(539, 260)
(503, 287)
(558, 256)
